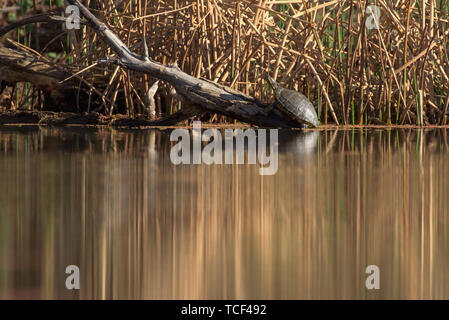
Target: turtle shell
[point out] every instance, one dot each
(295, 104)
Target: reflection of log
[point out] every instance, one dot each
(203, 94)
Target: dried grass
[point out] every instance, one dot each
(396, 74)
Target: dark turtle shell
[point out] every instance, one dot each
(295, 104)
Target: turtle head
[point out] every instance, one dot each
(271, 81)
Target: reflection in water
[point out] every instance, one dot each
(138, 227)
(299, 143)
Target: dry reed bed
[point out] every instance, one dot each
(396, 74)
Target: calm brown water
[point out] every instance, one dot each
(140, 227)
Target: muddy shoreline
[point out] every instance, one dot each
(49, 118)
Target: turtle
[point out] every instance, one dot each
(293, 104)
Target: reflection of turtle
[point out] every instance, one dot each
(294, 104)
(302, 144)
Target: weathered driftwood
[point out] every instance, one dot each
(198, 95)
(18, 66)
(51, 17)
(201, 94)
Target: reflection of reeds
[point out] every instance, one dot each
(322, 48)
(140, 227)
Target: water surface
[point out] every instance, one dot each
(139, 227)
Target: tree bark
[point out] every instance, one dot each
(18, 66)
(202, 94)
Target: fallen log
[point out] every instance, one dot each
(18, 66)
(199, 94)
(59, 95)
